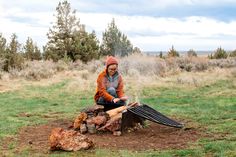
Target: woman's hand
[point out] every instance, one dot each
(115, 100)
(124, 98)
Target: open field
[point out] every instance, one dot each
(205, 101)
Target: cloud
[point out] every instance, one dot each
(160, 33)
(144, 30)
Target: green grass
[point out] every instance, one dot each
(214, 112)
(217, 113)
(211, 107)
(38, 102)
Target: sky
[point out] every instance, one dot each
(151, 25)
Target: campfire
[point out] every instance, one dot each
(95, 119)
(117, 121)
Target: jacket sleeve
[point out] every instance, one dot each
(102, 89)
(120, 91)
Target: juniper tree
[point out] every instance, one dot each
(220, 53)
(61, 35)
(161, 54)
(137, 50)
(114, 42)
(172, 52)
(3, 42)
(37, 53)
(2, 51)
(86, 46)
(68, 38)
(31, 50)
(13, 56)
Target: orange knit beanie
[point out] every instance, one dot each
(111, 60)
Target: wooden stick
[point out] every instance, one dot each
(115, 111)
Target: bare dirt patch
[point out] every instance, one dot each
(151, 137)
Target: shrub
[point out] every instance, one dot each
(171, 63)
(219, 53)
(94, 66)
(2, 61)
(200, 66)
(143, 65)
(191, 53)
(223, 63)
(172, 52)
(84, 74)
(62, 65)
(36, 70)
(192, 63)
(233, 53)
(161, 54)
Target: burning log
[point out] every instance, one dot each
(113, 124)
(68, 140)
(98, 120)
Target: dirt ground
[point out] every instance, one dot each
(151, 137)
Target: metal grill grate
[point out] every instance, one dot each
(149, 113)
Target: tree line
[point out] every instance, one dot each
(67, 40)
(219, 53)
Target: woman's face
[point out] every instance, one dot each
(112, 69)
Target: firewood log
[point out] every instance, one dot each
(115, 111)
(113, 124)
(98, 120)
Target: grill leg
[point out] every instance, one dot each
(129, 120)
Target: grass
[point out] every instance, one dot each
(214, 112)
(37, 102)
(211, 107)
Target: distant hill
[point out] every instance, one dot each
(199, 53)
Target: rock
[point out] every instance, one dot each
(94, 109)
(68, 140)
(117, 133)
(91, 128)
(83, 128)
(79, 120)
(98, 120)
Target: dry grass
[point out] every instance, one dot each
(7, 84)
(142, 65)
(233, 72)
(139, 71)
(223, 63)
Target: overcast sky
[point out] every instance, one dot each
(151, 25)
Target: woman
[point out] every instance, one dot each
(109, 92)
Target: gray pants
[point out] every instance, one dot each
(110, 105)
